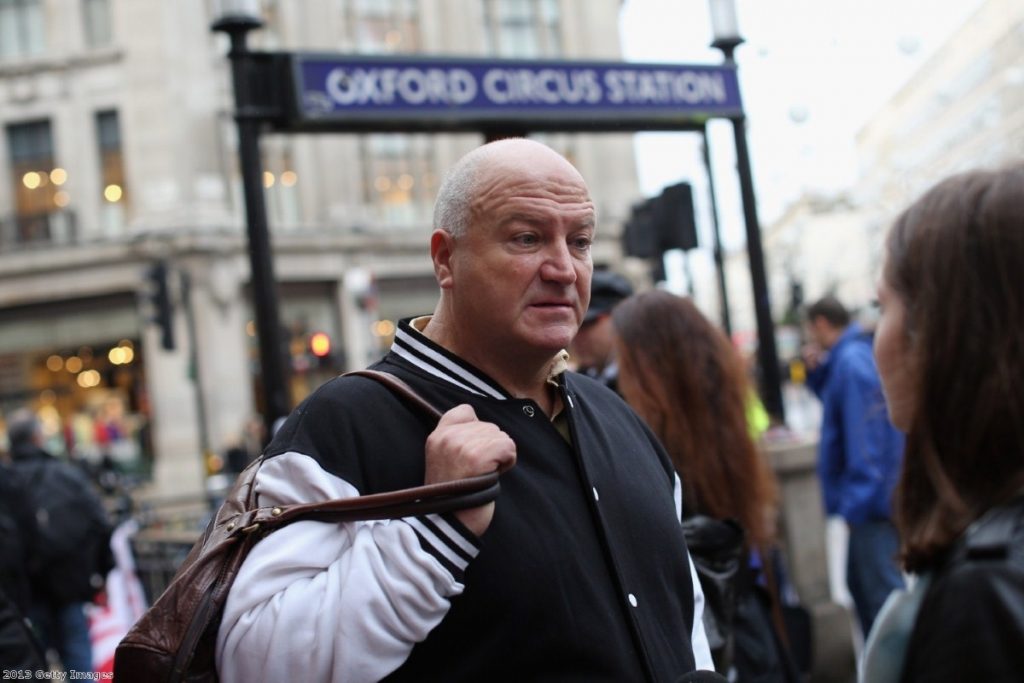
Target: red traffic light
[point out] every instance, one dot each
(320, 344)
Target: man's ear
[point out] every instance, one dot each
(442, 246)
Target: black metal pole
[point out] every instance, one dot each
(767, 355)
(723, 292)
(264, 295)
(771, 378)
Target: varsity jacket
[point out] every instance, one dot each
(583, 574)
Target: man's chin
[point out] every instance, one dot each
(551, 340)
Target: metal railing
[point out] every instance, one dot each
(38, 229)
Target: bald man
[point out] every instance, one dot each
(578, 571)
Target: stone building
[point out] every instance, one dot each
(119, 151)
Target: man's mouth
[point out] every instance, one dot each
(553, 304)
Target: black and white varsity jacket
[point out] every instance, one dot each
(583, 574)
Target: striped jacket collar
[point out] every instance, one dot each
(414, 347)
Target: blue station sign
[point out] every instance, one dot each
(409, 93)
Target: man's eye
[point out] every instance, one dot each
(526, 239)
(581, 243)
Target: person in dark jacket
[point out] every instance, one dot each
(72, 542)
(593, 348)
(859, 453)
(579, 571)
(949, 352)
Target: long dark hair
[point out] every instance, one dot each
(691, 388)
(956, 261)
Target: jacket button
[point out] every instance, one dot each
(632, 599)
(529, 411)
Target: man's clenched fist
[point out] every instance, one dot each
(463, 446)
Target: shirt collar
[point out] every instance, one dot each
(414, 347)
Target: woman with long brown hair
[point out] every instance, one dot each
(684, 378)
(950, 352)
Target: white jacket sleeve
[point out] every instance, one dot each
(335, 602)
(698, 636)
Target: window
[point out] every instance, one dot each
(39, 194)
(385, 25)
(114, 194)
(280, 183)
(96, 20)
(398, 177)
(523, 28)
(22, 31)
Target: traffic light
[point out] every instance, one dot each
(159, 296)
(661, 223)
(676, 227)
(320, 344)
(638, 236)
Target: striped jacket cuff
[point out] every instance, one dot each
(444, 537)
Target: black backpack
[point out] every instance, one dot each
(738, 612)
(72, 548)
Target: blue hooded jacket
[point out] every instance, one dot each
(860, 452)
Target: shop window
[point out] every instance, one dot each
(96, 22)
(399, 178)
(90, 401)
(114, 193)
(22, 30)
(523, 28)
(384, 26)
(40, 199)
(281, 185)
(311, 326)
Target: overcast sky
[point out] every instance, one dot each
(812, 72)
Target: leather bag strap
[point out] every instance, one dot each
(417, 500)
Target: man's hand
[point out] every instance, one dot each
(462, 446)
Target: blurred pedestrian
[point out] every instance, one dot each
(686, 380)
(72, 542)
(859, 452)
(950, 349)
(593, 349)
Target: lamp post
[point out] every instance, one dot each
(725, 30)
(236, 18)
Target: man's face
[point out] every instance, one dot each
(820, 331)
(519, 279)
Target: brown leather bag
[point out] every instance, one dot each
(175, 639)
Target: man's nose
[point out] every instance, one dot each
(558, 265)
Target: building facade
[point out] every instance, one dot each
(119, 151)
(963, 109)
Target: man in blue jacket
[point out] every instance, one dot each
(859, 452)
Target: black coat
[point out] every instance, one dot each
(971, 623)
